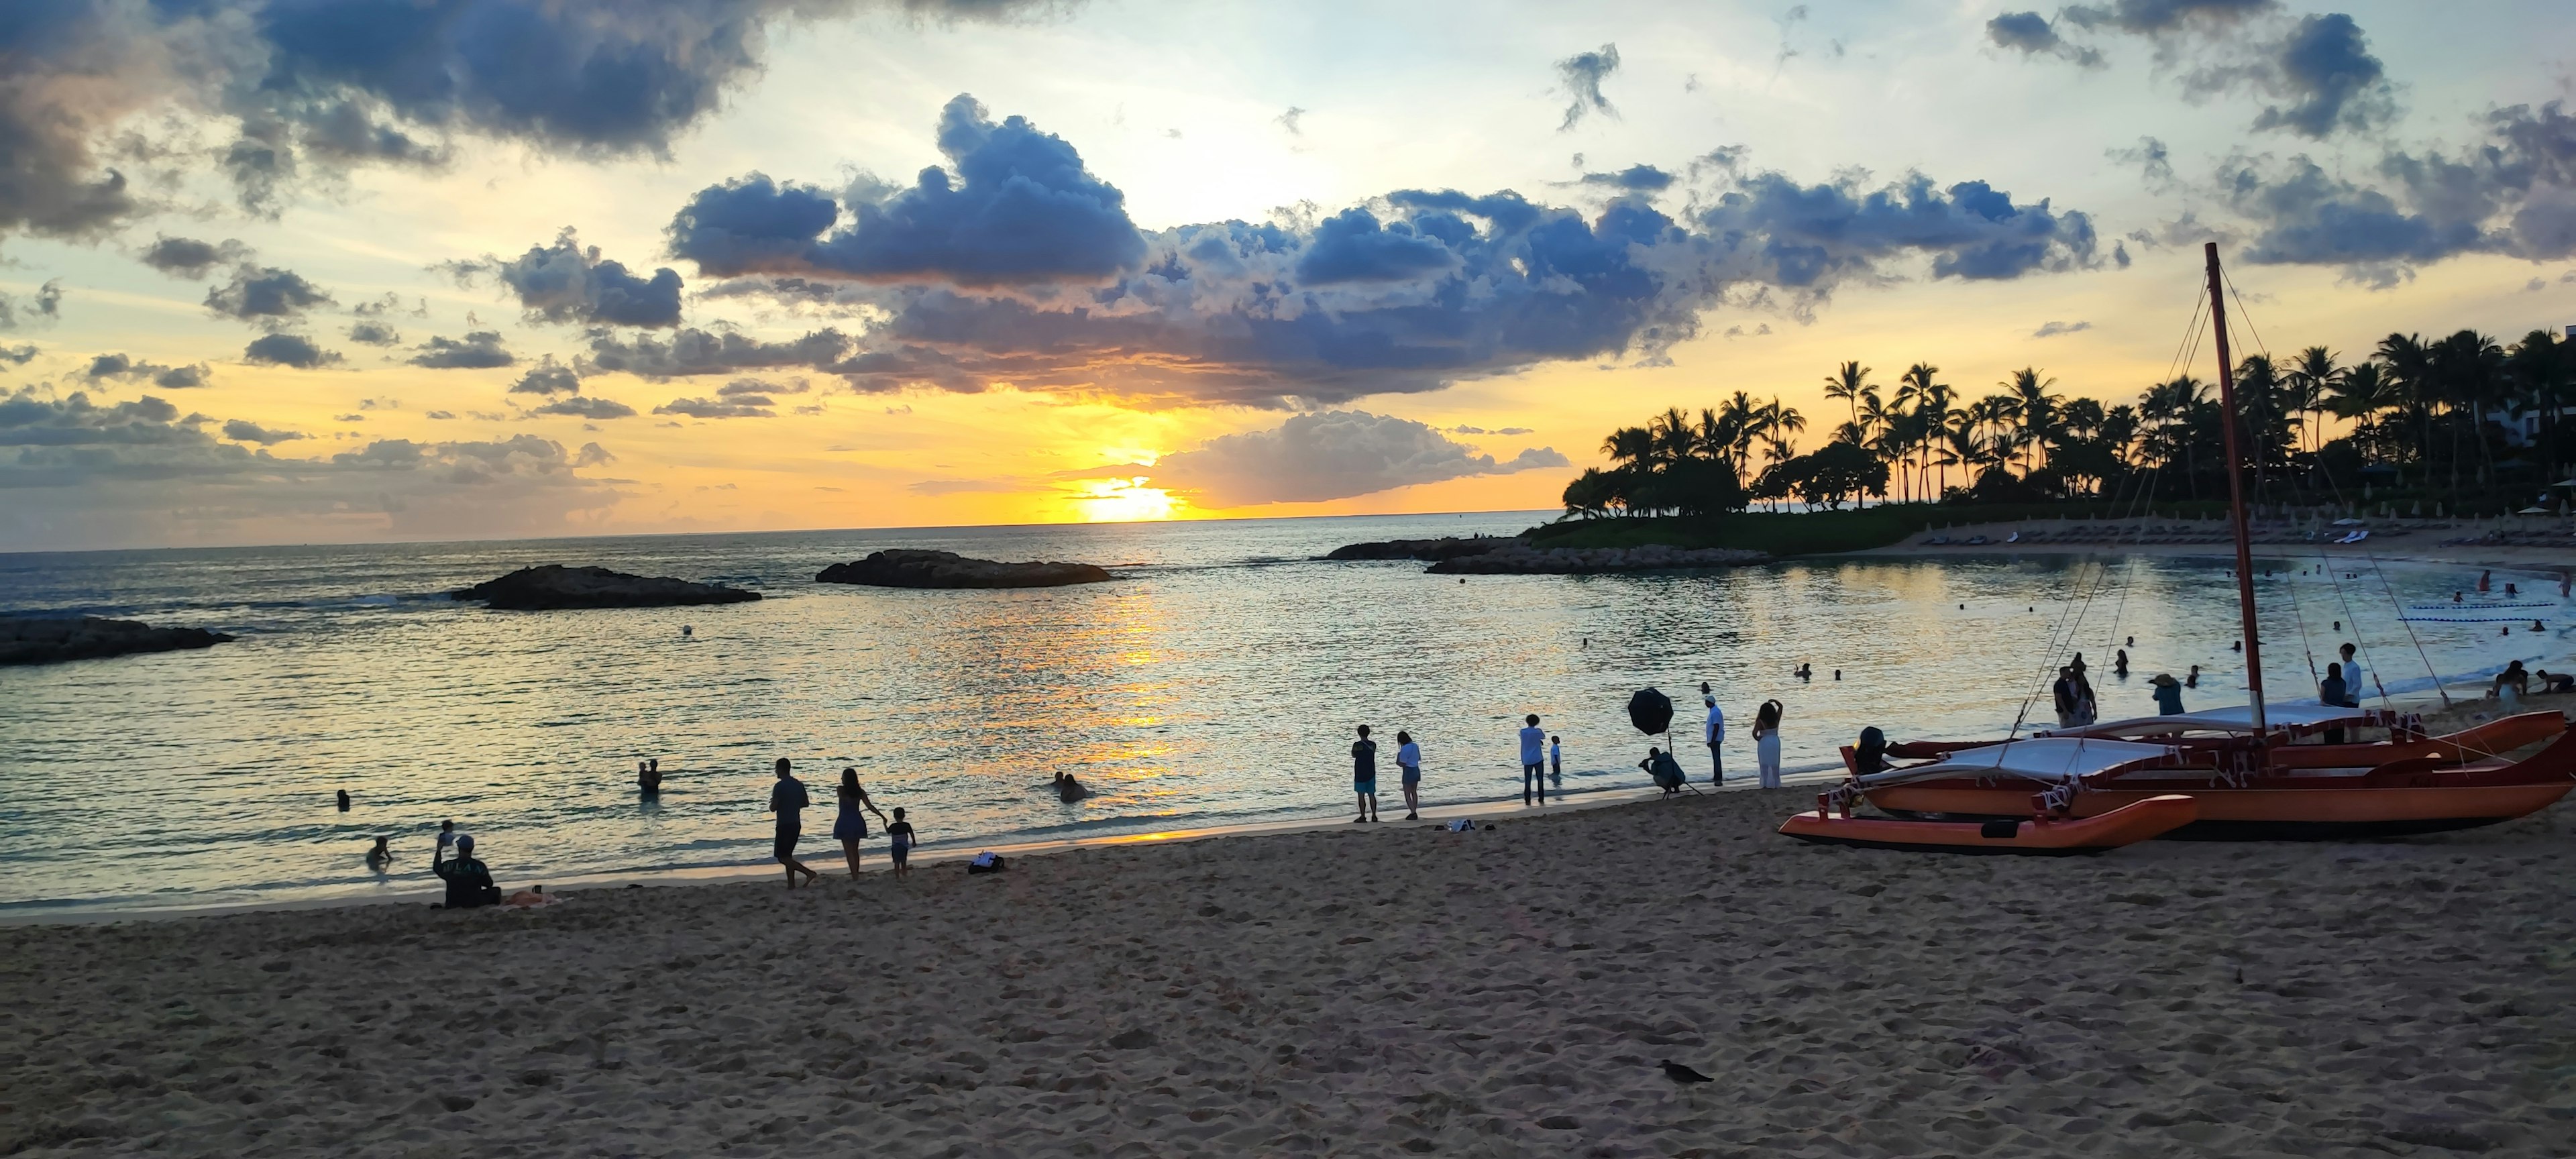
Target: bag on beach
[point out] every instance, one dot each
(987, 862)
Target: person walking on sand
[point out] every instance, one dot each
(787, 799)
(1364, 776)
(1408, 762)
(1766, 742)
(851, 827)
(901, 837)
(1533, 759)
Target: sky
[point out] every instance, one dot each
(280, 271)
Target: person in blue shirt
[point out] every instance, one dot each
(2168, 694)
(787, 799)
(1533, 760)
(1364, 776)
(1408, 760)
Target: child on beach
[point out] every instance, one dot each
(901, 834)
(1364, 776)
(1408, 760)
(1556, 760)
(446, 837)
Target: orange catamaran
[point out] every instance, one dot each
(2256, 771)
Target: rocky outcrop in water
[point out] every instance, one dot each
(1521, 559)
(1427, 550)
(553, 586)
(909, 568)
(47, 639)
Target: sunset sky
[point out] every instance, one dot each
(296, 271)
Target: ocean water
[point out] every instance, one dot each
(1215, 683)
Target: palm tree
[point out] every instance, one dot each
(1925, 397)
(2035, 408)
(2359, 394)
(1629, 446)
(2409, 368)
(1673, 437)
(2312, 378)
(1846, 384)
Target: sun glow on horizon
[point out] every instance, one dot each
(1125, 500)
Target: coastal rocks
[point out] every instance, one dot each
(553, 586)
(48, 639)
(908, 568)
(1428, 550)
(1516, 558)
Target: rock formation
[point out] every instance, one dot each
(1427, 550)
(906, 568)
(46, 639)
(1518, 558)
(554, 586)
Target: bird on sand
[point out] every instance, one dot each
(1682, 1074)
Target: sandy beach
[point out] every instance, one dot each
(1364, 991)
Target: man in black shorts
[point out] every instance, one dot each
(787, 799)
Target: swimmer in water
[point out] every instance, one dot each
(2193, 680)
(344, 800)
(380, 856)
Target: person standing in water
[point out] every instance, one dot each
(1766, 742)
(2168, 694)
(1533, 759)
(901, 836)
(648, 777)
(380, 856)
(1556, 760)
(2064, 698)
(787, 799)
(1408, 762)
(1364, 776)
(2193, 680)
(851, 827)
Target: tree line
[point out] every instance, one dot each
(2448, 415)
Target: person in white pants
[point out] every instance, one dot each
(1766, 742)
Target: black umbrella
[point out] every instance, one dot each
(1651, 712)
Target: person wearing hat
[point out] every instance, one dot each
(468, 884)
(2168, 694)
(1714, 733)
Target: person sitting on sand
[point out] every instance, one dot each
(787, 799)
(901, 836)
(851, 826)
(1408, 762)
(1069, 790)
(530, 898)
(380, 856)
(2556, 682)
(2168, 692)
(469, 885)
(1364, 776)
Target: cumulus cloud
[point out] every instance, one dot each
(1633, 179)
(312, 87)
(737, 406)
(1582, 74)
(246, 431)
(2053, 329)
(578, 406)
(479, 350)
(1329, 455)
(293, 350)
(369, 332)
(106, 367)
(1408, 292)
(265, 295)
(566, 282)
(1015, 206)
(185, 257)
(1463, 429)
(548, 377)
(19, 355)
(2316, 69)
(44, 308)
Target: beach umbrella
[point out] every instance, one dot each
(1651, 712)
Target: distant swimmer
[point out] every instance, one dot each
(2509, 590)
(2120, 662)
(687, 632)
(2535, 626)
(2236, 645)
(1069, 790)
(648, 777)
(2484, 579)
(2193, 680)
(344, 800)
(381, 856)
(2133, 642)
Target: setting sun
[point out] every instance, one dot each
(1123, 501)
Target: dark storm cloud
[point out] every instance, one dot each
(314, 86)
(548, 377)
(480, 350)
(186, 257)
(45, 307)
(264, 294)
(586, 408)
(566, 282)
(1582, 74)
(1409, 292)
(2513, 193)
(293, 350)
(246, 431)
(1331, 455)
(1015, 206)
(2317, 69)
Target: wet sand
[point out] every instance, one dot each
(1366, 990)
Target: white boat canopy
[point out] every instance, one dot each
(2050, 760)
(2236, 718)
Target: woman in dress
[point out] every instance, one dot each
(1408, 759)
(1766, 742)
(851, 827)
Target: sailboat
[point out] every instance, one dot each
(2256, 771)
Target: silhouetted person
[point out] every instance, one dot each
(344, 800)
(1533, 760)
(469, 885)
(381, 855)
(1364, 776)
(787, 799)
(648, 777)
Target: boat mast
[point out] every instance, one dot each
(2236, 498)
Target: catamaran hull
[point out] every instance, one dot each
(2043, 838)
(2255, 813)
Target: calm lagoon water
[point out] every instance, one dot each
(1215, 683)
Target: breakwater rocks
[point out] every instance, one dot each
(1517, 558)
(553, 586)
(907, 568)
(47, 639)
(1427, 550)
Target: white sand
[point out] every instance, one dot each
(1364, 991)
